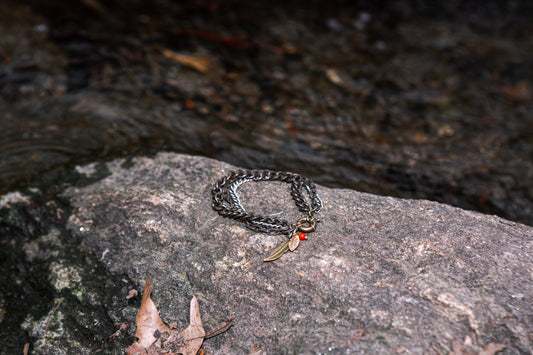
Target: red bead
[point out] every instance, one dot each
(302, 236)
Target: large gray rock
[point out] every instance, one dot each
(380, 275)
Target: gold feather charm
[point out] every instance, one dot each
(278, 251)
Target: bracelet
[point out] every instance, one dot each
(227, 203)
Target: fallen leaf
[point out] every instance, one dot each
(195, 62)
(194, 333)
(190, 104)
(149, 324)
(519, 93)
(155, 337)
(333, 76)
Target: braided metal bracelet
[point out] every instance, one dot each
(227, 203)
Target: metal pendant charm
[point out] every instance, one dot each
(285, 246)
(278, 251)
(294, 242)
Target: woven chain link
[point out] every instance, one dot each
(227, 203)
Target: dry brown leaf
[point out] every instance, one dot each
(491, 349)
(195, 62)
(148, 320)
(194, 333)
(155, 337)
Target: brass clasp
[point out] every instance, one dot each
(307, 224)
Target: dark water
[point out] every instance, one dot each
(395, 97)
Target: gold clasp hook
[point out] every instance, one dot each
(307, 224)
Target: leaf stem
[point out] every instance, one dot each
(219, 329)
(214, 331)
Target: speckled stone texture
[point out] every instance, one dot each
(380, 275)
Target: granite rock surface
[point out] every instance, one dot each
(380, 275)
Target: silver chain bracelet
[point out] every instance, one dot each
(227, 203)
